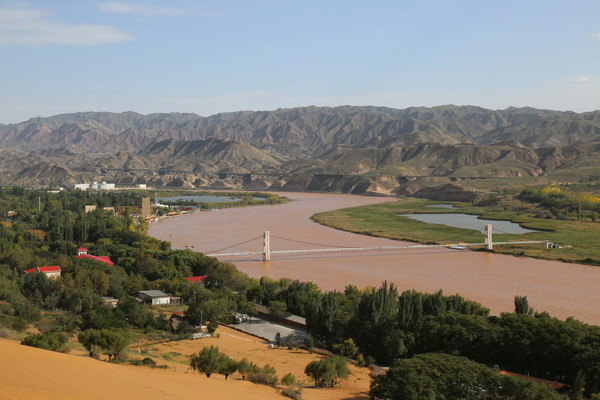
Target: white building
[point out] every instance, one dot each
(81, 186)
(102, 186)
(154, 297)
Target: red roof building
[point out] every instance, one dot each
(104, 259)
(82, 253)
(51, 271)
(198, 279)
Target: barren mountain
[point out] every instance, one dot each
(447, 141)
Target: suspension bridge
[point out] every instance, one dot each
(267, 252)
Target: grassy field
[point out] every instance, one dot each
(383, 220)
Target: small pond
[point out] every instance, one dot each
(467, 221)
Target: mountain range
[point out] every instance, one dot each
(286, 148)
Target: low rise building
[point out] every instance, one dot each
(102, 186)
(154, 297)
(80, 186)
(82, 253)
(52, 272)
(197, 279)
(110, 301)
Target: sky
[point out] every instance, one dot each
(212, 56)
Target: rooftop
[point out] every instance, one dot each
(196, 278)
(53, 268)
(154, 293)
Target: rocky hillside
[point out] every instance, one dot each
(446, 141)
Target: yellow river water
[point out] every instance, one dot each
(562, 289)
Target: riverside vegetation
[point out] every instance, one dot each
(411, 332)
(566, 214)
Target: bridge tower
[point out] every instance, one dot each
(267, 246)
(488, 236)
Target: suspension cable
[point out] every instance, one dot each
(310, 243)
(233, 245)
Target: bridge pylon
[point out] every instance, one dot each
(488, 236)
(267, 246)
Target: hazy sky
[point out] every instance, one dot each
(226, 55)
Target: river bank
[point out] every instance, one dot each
(576, 241)
(561, 289)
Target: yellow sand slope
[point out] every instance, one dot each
(28, 373)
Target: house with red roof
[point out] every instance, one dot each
(82, 253)
(197, 279)
(52, 272)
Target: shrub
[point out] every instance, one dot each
(294, 392)
(346, 349)
(266, 375)
(53, 340)
(149, 362)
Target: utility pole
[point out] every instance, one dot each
(39, 204)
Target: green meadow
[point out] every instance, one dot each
(383, 220)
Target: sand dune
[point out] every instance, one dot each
(28, 373)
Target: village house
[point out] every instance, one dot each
(154, 297)
(82, 253)
(197, 279)
(110, 301)
(52, 272)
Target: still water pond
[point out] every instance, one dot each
(467, 221)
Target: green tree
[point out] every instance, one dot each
(276, 308)
(207, 361)
(328, 371)
(91, 340)
(227, 365)
(245, 368)
(576, 390)
(114, 342)
(522, 306)
(317, 371)
(442, 376)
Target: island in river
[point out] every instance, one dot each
(562, 289)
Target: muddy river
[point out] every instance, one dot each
(492, 279)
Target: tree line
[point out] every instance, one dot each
(372, 324)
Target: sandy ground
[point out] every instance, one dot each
(240, 345)
(28, 373)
